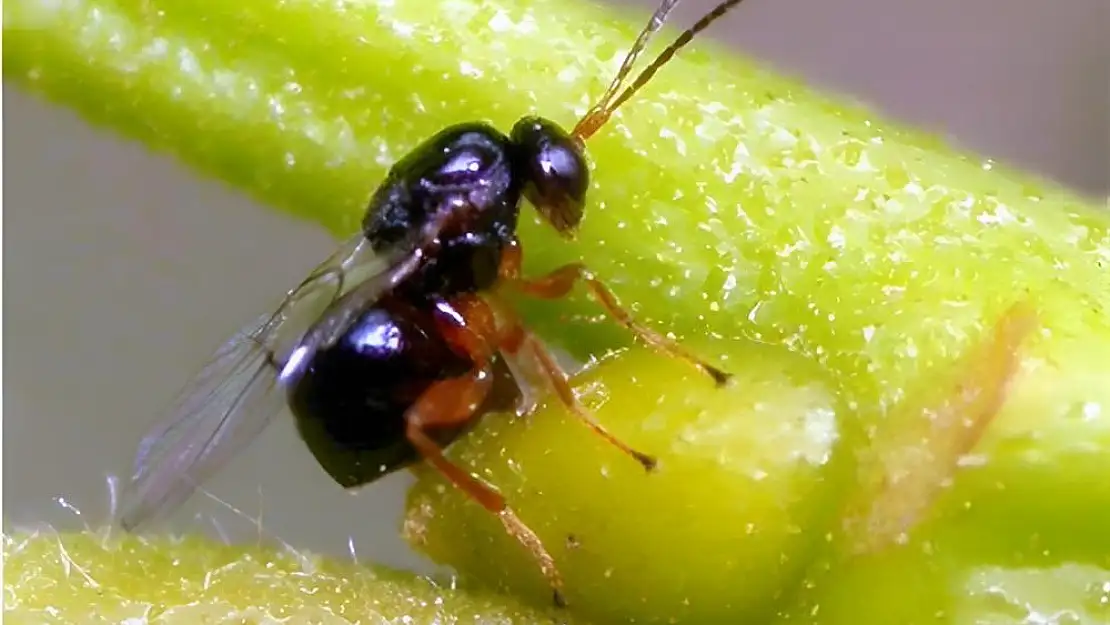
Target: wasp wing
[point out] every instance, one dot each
(401, 261)
(238, 392)
(226, 404)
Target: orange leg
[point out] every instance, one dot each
(455, 401)
(527, 354)
(558, 283)
(557, 378)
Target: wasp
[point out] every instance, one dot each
(389, 349)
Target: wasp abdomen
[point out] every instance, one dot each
(350, 403)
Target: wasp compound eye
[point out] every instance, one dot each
(554, 165)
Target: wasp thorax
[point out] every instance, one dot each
(463, 169)
(464, 177)
(555, 169)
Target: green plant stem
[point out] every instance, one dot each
(729, 205)
(94, 577)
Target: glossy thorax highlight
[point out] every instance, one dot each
(478, 174)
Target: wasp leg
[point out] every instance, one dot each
(558, 284)
(526, 353)
(453, 402)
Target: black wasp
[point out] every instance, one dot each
(387, 351)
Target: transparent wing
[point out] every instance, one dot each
(239, 391)
(226, 405)
(398, 263)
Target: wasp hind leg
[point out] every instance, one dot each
(530, 357)
(453, 402)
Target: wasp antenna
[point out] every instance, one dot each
(593, 120)
(599, 112)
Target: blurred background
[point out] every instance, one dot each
(123, 270)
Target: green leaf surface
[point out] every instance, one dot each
(838, 263)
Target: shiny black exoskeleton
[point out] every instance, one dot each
(350, 404)
(351, 401)
(478, 173)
